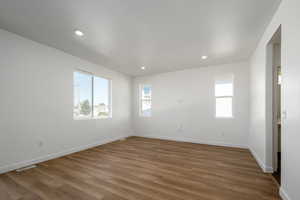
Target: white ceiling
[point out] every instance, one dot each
(163, 35)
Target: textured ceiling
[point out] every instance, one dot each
(163, 35)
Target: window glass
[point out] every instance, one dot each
(146, 101)
(223, 89)
(82, 95)
(91, 96)
(224, 96)
(101, 98)
(224, 107)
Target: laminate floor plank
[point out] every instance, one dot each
(144, 169)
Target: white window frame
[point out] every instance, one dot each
(141, 87)
(92, 117)
(223, 97)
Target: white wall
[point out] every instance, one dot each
(36, 102)
(184, 106)
(288, 16)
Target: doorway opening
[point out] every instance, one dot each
(274, 64)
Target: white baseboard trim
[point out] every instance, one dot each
(283, 194)
(22, 164)
(263, 166)
(192, 140)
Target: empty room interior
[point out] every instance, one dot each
(149, 100)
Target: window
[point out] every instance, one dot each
(91, 96)
(145, 100)
(224, 97)
(279, 81)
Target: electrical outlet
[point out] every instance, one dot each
(40, 143)
(180, 128)
(180, 101)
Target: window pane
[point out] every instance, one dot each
(82, 95)
(224, 89)
(224, 107)
(146, 108)
(279, 79)
(101, 98)
(146, 101)
(146, 92)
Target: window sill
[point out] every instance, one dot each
(224, 117)
(85, 119)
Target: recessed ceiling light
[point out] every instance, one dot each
(204, 57)
(143, 68)
(79, 33)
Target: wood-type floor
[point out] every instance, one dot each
(144, 169)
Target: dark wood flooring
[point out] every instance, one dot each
(144, 169)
